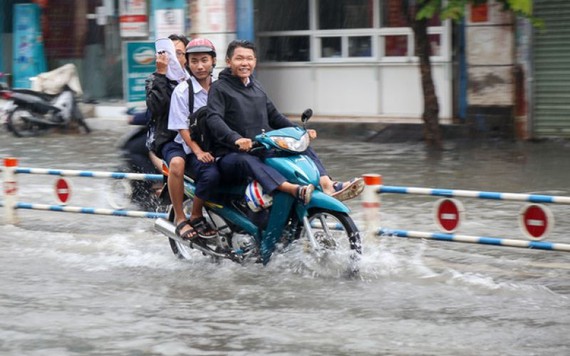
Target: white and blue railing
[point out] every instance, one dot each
(92, 174)
(532, 198)
(11, 203)
(370, 205)
(535, 219)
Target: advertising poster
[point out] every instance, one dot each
(168, 17)
(29, 58)
(133, 18)
(138, 64)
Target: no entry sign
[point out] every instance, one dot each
(62, 190)
(536, 221)
(448, 214)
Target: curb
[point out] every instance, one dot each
(367, 129)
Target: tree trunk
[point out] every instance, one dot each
(430, 117)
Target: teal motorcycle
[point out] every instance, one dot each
(254, 231)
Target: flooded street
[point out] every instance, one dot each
(76, 284)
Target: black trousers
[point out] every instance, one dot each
(237, 167)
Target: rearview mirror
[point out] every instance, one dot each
(306, 115)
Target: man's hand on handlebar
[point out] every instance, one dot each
(312, 134)
(244, 144)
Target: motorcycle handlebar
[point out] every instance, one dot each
(256, 146)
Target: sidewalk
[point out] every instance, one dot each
(379, 129)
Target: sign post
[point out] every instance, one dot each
(139, 62)
(10, 190)
(536, 221)
(63, 190)
(448, 214)
(371, 203)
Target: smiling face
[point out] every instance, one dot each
(242, 63)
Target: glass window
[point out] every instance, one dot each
(434, 45)
(284, 49)
(331, 47)
(396, 46)
(281, 15)
(393, 15)
(360, 46)
(342, 14)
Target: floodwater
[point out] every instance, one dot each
(74, 284)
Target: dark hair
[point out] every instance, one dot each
(180, 38)
(240, 43)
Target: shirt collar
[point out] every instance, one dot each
(196, 85)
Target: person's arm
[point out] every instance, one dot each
(278, 120)
(158, 94)
(220, 131)
(196, 149)
(275, 119)
(179, 110)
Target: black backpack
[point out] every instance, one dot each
(199, 131)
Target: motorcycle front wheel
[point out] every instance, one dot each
(20, 123)
(337, 240)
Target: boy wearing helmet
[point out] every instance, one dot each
(201, 59)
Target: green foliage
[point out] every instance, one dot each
(455, 9)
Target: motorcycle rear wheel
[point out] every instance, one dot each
(181, 251)
(78, 115)
(20, 125)
(337, 237)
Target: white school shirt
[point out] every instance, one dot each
(179, 111)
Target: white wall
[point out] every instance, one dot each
(370, 90)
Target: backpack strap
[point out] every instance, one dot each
(190, 95)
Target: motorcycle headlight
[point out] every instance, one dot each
(291, 144)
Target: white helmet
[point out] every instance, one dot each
(255, 197)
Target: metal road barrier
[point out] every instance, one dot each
(535, 219)
(63, 192)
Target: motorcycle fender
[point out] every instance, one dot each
(325, 201)
(280, 210)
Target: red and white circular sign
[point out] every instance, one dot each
(448, 214)
(63, 190)
(536, 221)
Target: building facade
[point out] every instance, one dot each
(342, 58)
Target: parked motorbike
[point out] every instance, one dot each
(249, 233)
(32, 113)
(4, 105)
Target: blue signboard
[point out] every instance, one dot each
(29, 59)
(138, 63)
